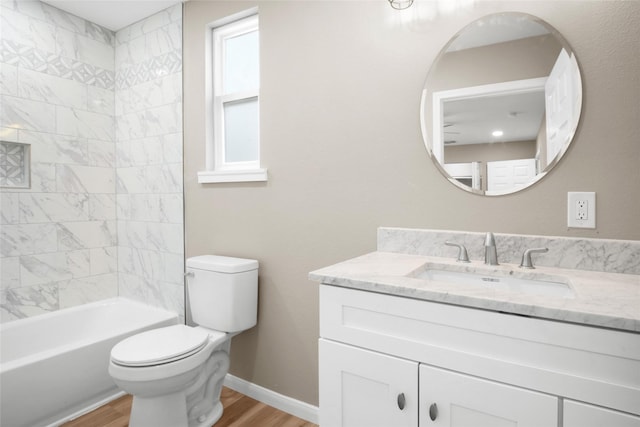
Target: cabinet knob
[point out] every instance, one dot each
(433, 411)
(401, 401)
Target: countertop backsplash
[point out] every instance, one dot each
(606, 255)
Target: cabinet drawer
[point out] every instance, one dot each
(450, 399)
(581, 415)
(584, 363)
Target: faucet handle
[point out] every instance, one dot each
(462, 251)
(526, 257)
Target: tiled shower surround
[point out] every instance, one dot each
(102, 114)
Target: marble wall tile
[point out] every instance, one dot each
(174, 268)
(53, 207)
(139, 207)
(171, 208)
(84, 124)
(102, 207)
(149, 160)
(101, 153)
(29, 301)
(100, 100)
(40, 86)
(9, 134)
(44, 268)
(86, 234)
(154, 121)
(132, 234)
(151, 23)
(8, 80)
(25, 30)
(162, 294)
(9, 273)
(60, 96)
(43, 177)
(27, 114)
(141, 262)
(85, 179)
(84, 49)
(146, 151)
(9, 208)
(607, 255)
(87, 289)
(132, 180)
(172, 148)
(165, 237)
(27, 239)
(51, 148)
(103, 260)
(165, 39)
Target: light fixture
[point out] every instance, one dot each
(497, 133)
(400, 4)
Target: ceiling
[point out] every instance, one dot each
(471, 121)
(112, 14)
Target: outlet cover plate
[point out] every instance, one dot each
(581, 209)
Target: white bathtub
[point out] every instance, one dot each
(53, 367)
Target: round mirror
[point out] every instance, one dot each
(501, 104)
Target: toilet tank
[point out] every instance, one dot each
(223, 292)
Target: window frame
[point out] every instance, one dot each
(217, 169)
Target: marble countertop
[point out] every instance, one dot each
(610, 300)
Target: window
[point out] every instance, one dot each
(233, 140)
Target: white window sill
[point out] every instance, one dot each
(249, 175)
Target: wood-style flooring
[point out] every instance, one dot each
(239, 411)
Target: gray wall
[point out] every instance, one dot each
(341, 86)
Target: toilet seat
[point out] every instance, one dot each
(159, 346)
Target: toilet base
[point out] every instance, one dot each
(162, 411)
(168, 411)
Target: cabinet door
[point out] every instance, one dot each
(583, 415)
(449, 398)
(362, 388)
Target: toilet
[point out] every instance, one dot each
(175, 373)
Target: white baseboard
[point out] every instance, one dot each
(286, 404)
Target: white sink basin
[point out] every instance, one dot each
(506, 283)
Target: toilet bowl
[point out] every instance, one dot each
(175, 373)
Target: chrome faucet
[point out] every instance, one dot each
(490, 251)
(526, 257)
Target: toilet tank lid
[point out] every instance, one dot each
(222, 264)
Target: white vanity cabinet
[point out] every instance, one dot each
(366, 388)
(395, 361)
(578, 414)
(458, 400)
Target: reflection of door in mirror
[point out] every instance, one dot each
(508, 175)
(561, 100)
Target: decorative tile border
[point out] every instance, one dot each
(14, 165)
(31, 58)
(151, 69)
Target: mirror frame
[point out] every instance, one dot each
(428, 106)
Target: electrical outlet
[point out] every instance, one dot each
(581, 210)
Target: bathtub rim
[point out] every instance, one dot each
(7, 366)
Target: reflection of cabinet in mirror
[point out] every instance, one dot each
(466, 173)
